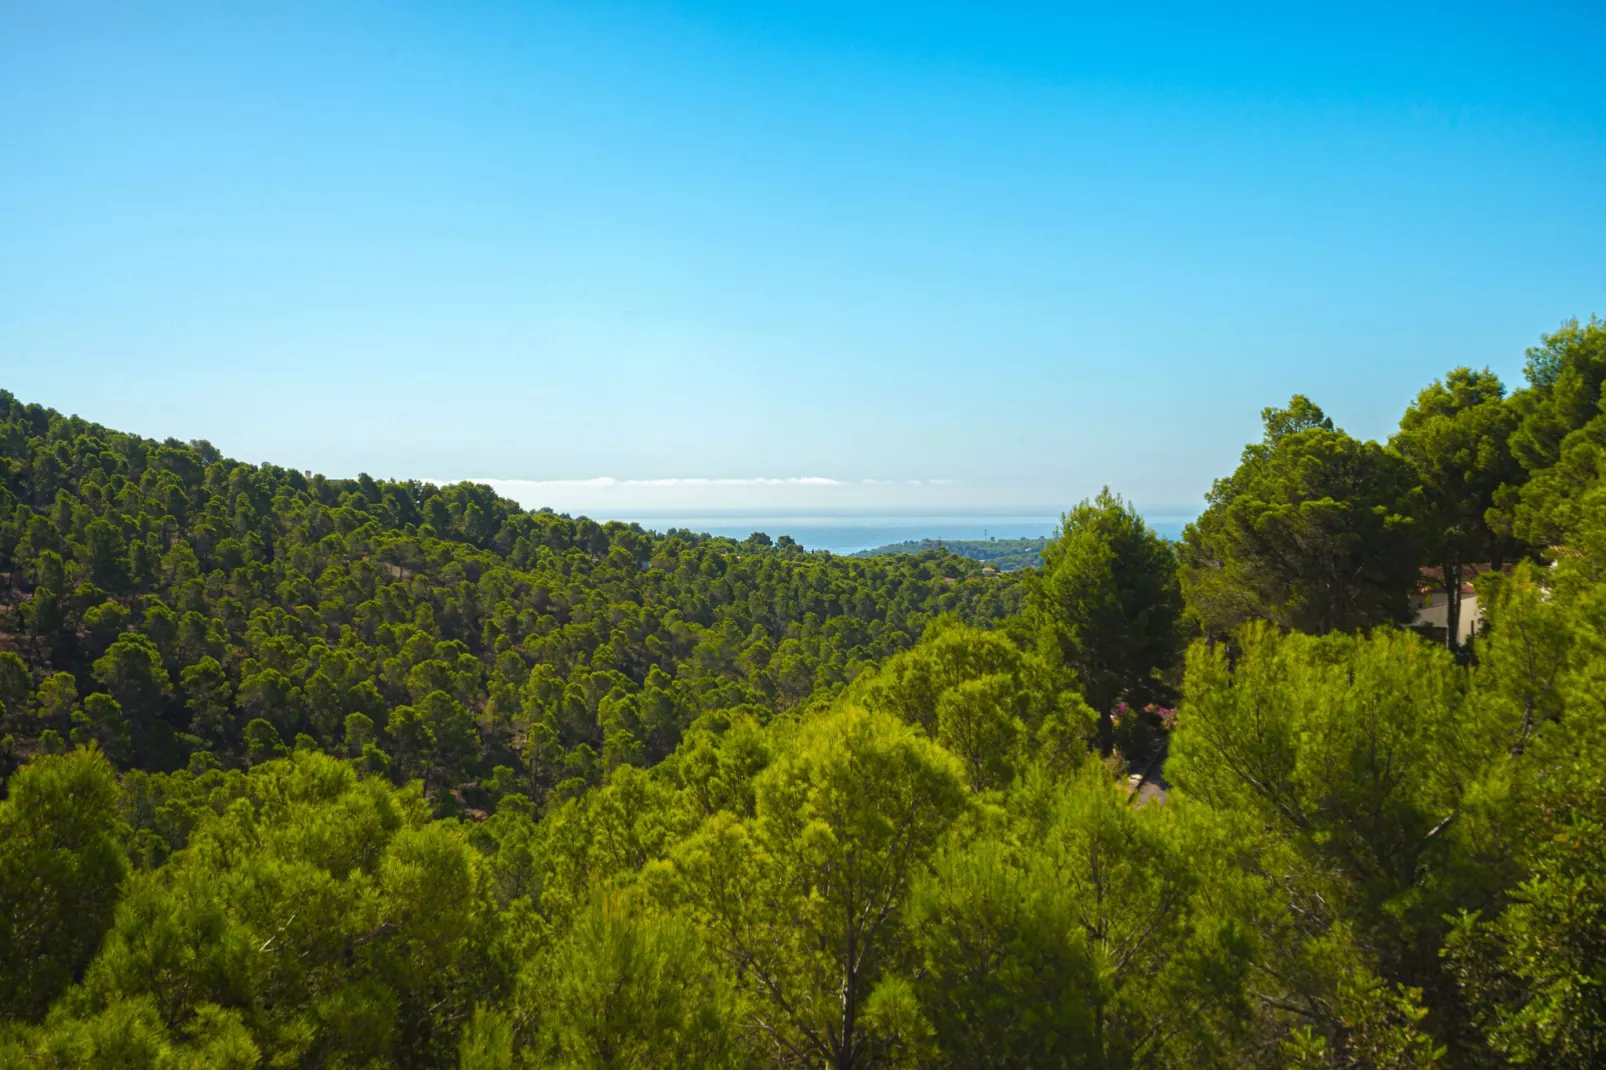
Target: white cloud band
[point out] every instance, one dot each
(605, 482)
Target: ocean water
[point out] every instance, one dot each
(846, 532)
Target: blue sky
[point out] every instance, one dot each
(751, 255)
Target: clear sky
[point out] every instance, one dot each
(760, 254)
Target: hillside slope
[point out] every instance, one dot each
(180, 607)
(1006, 555)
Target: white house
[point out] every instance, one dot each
(1433, 604)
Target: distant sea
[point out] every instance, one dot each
(848, 531)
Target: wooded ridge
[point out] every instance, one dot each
(314, 772)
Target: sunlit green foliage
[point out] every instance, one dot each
(1457, 438)
(1106, 607)
(1314, 531)
(61, 868)
(843, 821)
(1079, 931)
(300, 773)
(185, 603)
(1003, 554)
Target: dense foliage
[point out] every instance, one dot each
(1314, 531)
(572, 809)
(1006, 555)
(178, 607)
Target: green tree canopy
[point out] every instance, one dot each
(844, 819)
(1314, 531)
(1107, 607)
(1560, 439)
(1456, 436)
(61, 869)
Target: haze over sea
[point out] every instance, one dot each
(846, 531)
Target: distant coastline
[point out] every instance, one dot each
(1006, 555)
(848, 531)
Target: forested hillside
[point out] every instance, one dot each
(179, 607)
(317, 773)
(1003, 554)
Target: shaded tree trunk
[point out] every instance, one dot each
(1452, 608)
